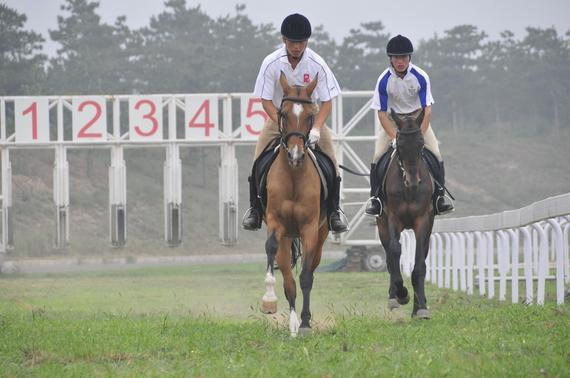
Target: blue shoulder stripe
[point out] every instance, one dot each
(423, 86)
(383, 91)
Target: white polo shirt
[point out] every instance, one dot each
(267, 85)
(404, 95)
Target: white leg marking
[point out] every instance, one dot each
(294, 323)
(269, 295)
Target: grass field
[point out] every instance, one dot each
(204, 321)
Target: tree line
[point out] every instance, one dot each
(502, 84)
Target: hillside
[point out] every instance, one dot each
(485, 173)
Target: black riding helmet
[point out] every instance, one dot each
(296, 27)
(399, 45)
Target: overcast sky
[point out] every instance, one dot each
(414, 18)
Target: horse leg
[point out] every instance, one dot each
(311, 258)
(422, 230)
(389, 233)
(269, 300)
(289, 284)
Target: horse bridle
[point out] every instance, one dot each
(404, 132)
(285, 136)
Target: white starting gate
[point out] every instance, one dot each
(136, 121)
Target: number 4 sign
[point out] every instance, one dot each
(32, 120)
(89, 119)
(201, 117)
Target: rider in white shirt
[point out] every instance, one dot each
(406, 88)
(300, 65)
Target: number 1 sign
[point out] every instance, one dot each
(32, 120)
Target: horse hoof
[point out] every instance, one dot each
(269, 307)
(422, 314)
(305, 331)
(404, 300)
(393, 303)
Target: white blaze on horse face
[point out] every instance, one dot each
(295, 153)
(294, 323)
(297, 110)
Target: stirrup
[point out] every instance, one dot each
(369, 204)
(246, 215)
(341, 214)
(437, 211)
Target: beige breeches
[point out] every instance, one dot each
(271, 131)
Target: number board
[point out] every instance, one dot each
(89, 119)
(253, 117)
(201, 117)
(31, 119)
(145, 118)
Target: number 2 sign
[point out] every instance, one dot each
(253, 117)
(89, 119)
(145, 118)
(201, 117)
(32, 120)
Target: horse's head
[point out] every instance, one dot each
(409, 145)
(296, 116)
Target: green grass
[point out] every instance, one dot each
(204, 321)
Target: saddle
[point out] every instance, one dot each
(385, 161)
(323, 163)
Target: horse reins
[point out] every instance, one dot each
(285, 136)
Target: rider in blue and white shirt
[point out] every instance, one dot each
(406, 88)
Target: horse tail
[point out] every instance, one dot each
(295, 251)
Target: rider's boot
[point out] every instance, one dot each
(252, 217)
(374, 203)
(337, 220)
(442, 203)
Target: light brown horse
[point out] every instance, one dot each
(293, 205)
(409, 191)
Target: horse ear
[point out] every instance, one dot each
(312, 85)
(396, 118)
(420, 117)
(284, 83)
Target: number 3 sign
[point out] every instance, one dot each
(145, 118)
(253, 117)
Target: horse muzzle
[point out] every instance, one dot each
(295, 156)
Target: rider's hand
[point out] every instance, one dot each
(393, 143)
(314, 137)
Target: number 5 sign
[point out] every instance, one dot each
(32, 120)
(201, 117)
(253, 117)
(89, 119)
(145, 118)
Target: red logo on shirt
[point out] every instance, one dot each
(306, 78)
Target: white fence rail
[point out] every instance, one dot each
(524, 247)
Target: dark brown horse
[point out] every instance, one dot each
(293, 205)
(409, 190)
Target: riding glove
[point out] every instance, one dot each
(314, 137)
